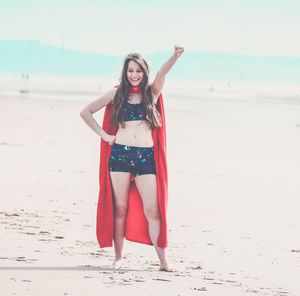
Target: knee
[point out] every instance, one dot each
(121, 210)
(152, 212)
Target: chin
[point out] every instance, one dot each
(135, 84)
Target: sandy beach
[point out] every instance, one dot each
(233, 216)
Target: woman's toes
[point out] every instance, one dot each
(116, 264)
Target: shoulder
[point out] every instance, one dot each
(109, 95)
(104, 100)
(113, 92)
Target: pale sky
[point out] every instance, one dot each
(253, 27)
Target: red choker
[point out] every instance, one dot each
(135, 89)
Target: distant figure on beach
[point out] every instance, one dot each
(25, 79)
(133, 169)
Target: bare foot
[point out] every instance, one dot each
(165, 267)
(116, 264)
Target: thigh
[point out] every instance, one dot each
(120, 184)
(147, 187)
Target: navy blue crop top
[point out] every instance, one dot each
(133, 112)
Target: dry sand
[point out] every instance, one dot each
(233, 214)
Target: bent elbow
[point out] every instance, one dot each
(83, 113)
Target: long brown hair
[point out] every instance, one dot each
(153, 117)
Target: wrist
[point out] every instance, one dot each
(174, 56)
(102, 134)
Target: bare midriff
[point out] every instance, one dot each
(135, 133)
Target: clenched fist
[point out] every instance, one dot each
(178, 50)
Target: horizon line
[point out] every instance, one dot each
(150, 53)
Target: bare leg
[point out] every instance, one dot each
(147, 187)
(120, 184)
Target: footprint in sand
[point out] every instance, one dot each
(139, 280)
(282, 292)
(154, 264)
(45, 240)
(229, 281)
(200, 289)
(20, 258)
(23, 259)
(44, 232)
(196, 267)
(164, 280)
(9, 215)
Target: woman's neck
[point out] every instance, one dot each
(135, 89)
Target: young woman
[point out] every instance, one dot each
(133, 173)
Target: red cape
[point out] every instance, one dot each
(136, 222)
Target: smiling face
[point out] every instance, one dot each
(135, 73)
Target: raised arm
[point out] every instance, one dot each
(159, 80)
(86, 114)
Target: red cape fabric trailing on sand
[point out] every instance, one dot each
(136, 222)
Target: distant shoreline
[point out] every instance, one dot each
(89, 88)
